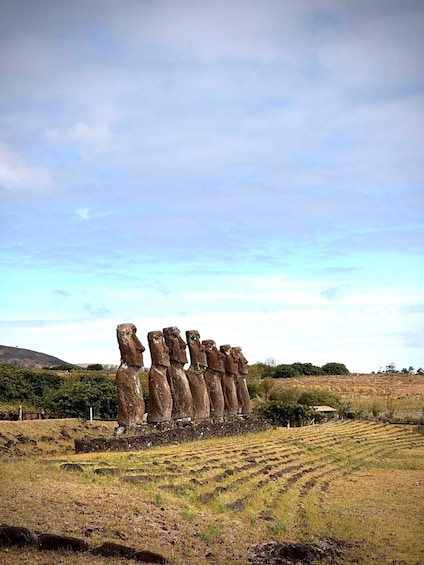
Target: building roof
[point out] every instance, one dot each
(325, 409)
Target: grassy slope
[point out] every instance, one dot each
(205, 502)
(402, 394)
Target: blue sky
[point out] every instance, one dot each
(252, 170)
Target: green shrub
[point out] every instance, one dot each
(335, 369)
(315, 397)
(283, 414)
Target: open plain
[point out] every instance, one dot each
(353, 487)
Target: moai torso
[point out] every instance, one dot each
(213, 378)
(229, 382)
(195, 375)
(241, 384)
(182, 399)
(160, 398)
(130, 395)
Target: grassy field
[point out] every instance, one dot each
(399, 394)
(206, 502)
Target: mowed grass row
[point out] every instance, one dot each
(205, 502)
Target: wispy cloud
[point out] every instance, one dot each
(17, 175)
(161, 162)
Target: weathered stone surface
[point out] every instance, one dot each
(181, 395)
(244, 404)
(72, 467)
(160, 398)
(15, 536)
(326, 550)
(213, 378)
(53, 542)
(171, 436)
(107, 471)
(150, 557)
(229, 381)
(195, 376)
(109, 549)
(130, 396)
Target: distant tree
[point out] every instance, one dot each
(335, 369)
(285, 371)
(27, 384)
(391, 368)
(95, 367)
(308, 369)
(80, 393)
(260, 371)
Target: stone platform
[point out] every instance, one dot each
(149, 436)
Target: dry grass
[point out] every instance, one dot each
(402, 393)
(205, 502)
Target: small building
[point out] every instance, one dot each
(327, 411)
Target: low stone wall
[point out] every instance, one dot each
(151, 437)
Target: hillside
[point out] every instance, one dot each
(27, 359)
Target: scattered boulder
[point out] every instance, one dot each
(15, 536)
(109, 549)
(72, 467)
(107, 471)
(54, 542)
(150, 557)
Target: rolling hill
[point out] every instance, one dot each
(28, 359)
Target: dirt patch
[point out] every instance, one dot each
(326, 551)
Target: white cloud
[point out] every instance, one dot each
(17, 175)
(98, 134)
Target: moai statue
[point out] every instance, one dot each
(213, 377)
(196, 378)
(241, 384)
(182, 408)
(229, 382)
(160, 398)
(130, 395)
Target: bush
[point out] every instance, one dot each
(78, 394)
(307, 369)
(335, 369)
(26, 385)
(281, 413)
(286, 372)
(317, 397)
(254, 389)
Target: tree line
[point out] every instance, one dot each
(48, 391)
(286, 371)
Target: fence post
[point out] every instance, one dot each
(91, 413)
(20, 414)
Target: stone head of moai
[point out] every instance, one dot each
(215, 358)
(130, 346)
(242, 361)
(176, 344)
(159, 351)
(230, 360)
(197, 349)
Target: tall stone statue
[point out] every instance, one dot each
(196, 378)
(213, 378)
(244, 405)
(160, 398)
(229, 381)
(182, 408)
(130, 395)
